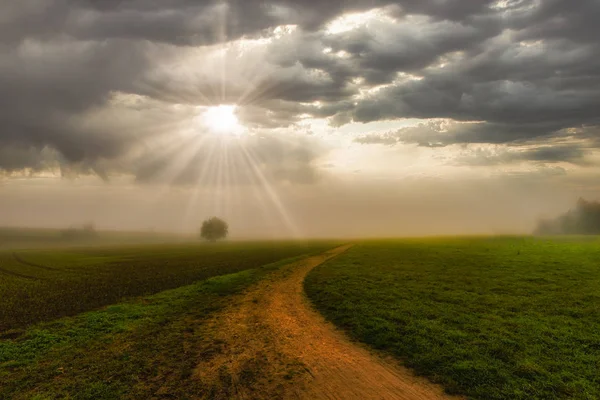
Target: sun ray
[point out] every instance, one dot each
(228, 162)
(272, 194)
(201, 182)
(171, 172)
(227, 183)
(223, 39)
(259, 195)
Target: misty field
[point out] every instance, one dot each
(121, 322)
(41, 285)
(490, 318)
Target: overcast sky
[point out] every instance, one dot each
(298, 118)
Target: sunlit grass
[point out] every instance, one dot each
(492, 318)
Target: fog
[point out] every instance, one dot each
(583, 219)
(335, 209)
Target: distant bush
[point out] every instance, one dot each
(214, 229)
(86, 231)
(584, 219)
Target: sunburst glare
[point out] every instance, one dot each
(222, 120)
(220, 155)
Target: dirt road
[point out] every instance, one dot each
(271, 344)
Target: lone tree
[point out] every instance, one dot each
(214, 229)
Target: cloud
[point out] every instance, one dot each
(15, 158)
(484, 144)
(441, 133)
(88, 85)
(50, 89)
(573, 154)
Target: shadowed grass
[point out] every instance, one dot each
(492, 318)
(42, 285)
(138, 349)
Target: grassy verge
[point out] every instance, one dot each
(144, 348)
(495, 318)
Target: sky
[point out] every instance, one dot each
(297, 118)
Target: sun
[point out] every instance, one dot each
(222, 120)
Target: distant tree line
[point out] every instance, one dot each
(86, 231)
(584, 219)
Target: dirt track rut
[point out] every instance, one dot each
(273, 344)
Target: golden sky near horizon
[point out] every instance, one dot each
(298, 119)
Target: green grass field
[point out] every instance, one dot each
(490, 318)
(146, 340)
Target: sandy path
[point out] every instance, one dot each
(272, 344)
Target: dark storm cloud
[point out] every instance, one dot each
(453, 95)
(441, 134)
(560, 19)
(474, 69)
(177, 22)
(573, 154)
(523, 69)
(518, 91)
(511, 147)
(46, 90)
(201, 22)
(381, 49)
(15, 158)
(182, 22)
